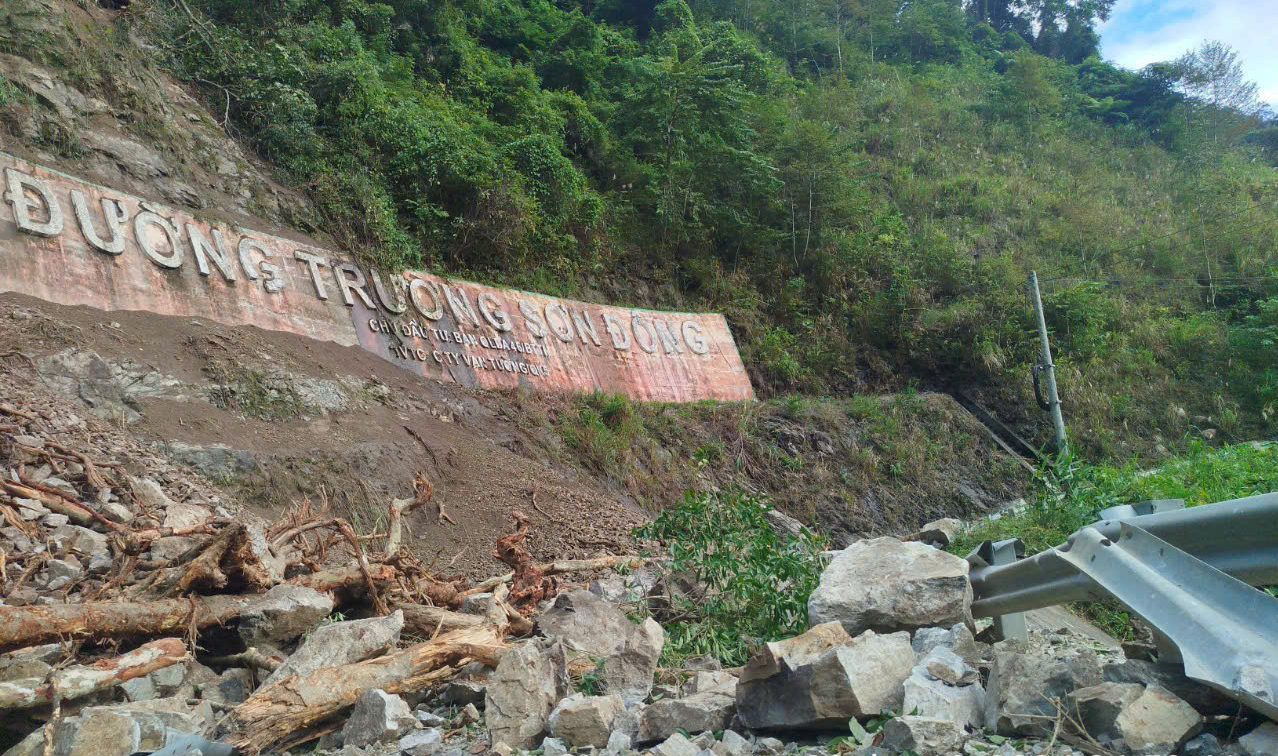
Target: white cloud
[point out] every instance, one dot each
(1141, 32)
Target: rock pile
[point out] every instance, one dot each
(134, 621)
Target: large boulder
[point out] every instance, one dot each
(594, 629)
(923, 735)
(886, 585)
(824, 677)
(942, 686)
(377, 717)
(1262, 741)
(283, 613)
(1204, 699)
(119, 730)
(709, 711)
(1134, 719)
(522, 692)
(957, 638)
(581, 720)
(1026, 682)
(338, 643)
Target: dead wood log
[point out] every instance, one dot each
(74, 510)
(292, 703)
(238, 555)
(249, 657)
(81, 680)
(562, 567)
(22, 626)
(348, 580)
(430, 621)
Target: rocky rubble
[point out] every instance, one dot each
(198, 629)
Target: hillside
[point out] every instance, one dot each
(861, 188)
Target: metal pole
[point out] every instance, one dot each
(1053, 400)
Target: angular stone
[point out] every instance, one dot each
(1262, 741)
(1025, 679)
(822, 678)
(924, 736)
(283, 613)
(553, 747)
(1099, 706)
(618, 742)
(947, 666)
(117, 513)
(886, 585)
(377, 717)
(1203, 744)
(1204, 699)
(233, 687)
(65, 569)
(121, 729)
(675, 745)
(421, 742)
(699, 713)
(735, 743)
(530, 679)
(704, 682)
(592, 628)
(79, 539)
(940, 533)
(1135, 719)
(169, 548)
(462, 692)
(585, 720)
(929, 697)
(338, 643)
(151, 495)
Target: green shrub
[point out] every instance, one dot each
(756, 582)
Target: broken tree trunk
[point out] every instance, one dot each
(81, 680)
(429, 621)
(22, 626)
(283, 708)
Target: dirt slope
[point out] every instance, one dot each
(272, 418)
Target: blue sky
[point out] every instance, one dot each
(1144, 31)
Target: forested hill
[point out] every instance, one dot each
(860, 185)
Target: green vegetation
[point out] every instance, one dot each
(1074, 493)
(860, 187)
(748, 585)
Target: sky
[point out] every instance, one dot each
(1140, 32)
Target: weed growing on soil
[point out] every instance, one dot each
(749, 584)
(252, 393)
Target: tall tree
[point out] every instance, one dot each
(1213, 77)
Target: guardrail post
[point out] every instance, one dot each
(997, 554)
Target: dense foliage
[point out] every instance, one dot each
(860, 186)
(746, 584)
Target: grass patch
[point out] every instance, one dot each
(253, 393)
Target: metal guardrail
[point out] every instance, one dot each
(1187, 572)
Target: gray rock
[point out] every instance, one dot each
(377, 717)
(612, 589)
(66, 569)
(927, 696)
(735, 744)
(337, 643)
(181, 515)
(1099, 707)
(469, 713)
(139, 689)
(462, 692)
(169, 548)
(1024, 679)
(30, 509)
(554, 747)
(629, 720)
(704, 682)
(53, 520)
(1205, 700)
(116, 513)
(78, 539)
(940, 533)
(1262, 741)
(233, 687)
(100, 564)
(585, 720)
(699, 713)
(215, 460)
(945, 665)
(594, 629)
(120, 730)
(1153, 722)
(618, 742)
(1204, 744)
(822, 678)
(283, 613)
(530, 679)
(675, 745)
(924, 736)
(769, 745)
(421, 742)
(151, 495)
(886, 585)
(430, 718)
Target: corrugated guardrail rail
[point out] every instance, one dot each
(1187, 572)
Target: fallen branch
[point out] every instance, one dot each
(428, 621)
(81, 680)
(347, 578)
(74, 510)
(249, 657)
(290, 704)
(562, 567)
(22, 626)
